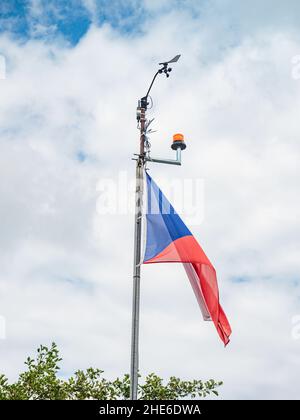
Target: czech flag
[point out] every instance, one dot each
(169, 240)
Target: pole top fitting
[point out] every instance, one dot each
(178, 142)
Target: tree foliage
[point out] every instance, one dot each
(40, 381)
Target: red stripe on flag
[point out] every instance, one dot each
(203, 278)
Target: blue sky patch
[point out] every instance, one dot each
(44, 20)
(68, 19)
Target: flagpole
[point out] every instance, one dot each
(141, 159)
(137, 260)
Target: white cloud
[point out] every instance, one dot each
(66, 271)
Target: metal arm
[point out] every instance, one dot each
(176, 161)
(150, 87)
(164, 69)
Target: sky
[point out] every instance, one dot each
(70, 77)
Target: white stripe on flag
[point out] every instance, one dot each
(194, 280)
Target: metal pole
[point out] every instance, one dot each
(137, 268)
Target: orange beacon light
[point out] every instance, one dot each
(178, 142)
